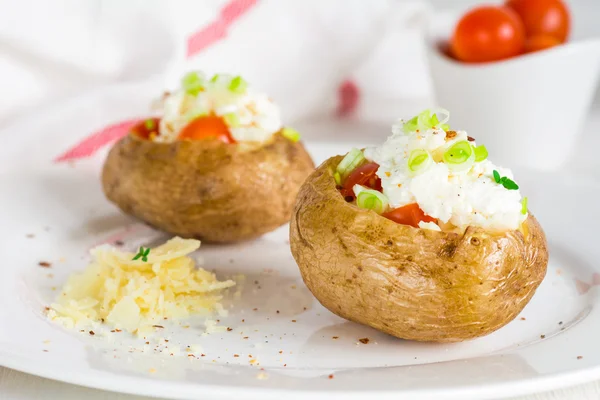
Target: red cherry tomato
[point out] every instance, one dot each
(488, 33)
(540, 42)
(364, 175)
(543, 17)
(209, 126)
(410, 214)
(146, 128)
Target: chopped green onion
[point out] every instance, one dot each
(458, 153)
(291, 134)
(524, 206)
(238, 85)
(232, 120)
(192, 83)
(460, 156)
(445, 127)
(353, 159)
(419, 160)
(150, 124)
(143, 254)
(411, 125)
(372, 200)
(481, 153)
(338, 178)
(427, 120)
(214, 78)
(424, 120)
(190, 116)
(496, 176)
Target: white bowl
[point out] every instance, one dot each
(528, 110)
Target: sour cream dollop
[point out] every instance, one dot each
(250, 115)
(470, 197)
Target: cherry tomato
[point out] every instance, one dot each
(540, 42)
(364, 175)
(488, 33)
(146, 127)
(410, 214)
(206, 127)
(543, 17)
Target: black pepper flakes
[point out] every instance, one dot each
(44, 264)
(364, 340)
(229, 329)
(92, 333)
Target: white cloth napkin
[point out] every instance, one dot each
(354, 57)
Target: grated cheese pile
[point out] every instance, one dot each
(133, 295)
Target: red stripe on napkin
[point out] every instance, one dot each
(90, 145)
(348, 99)
(217, 30)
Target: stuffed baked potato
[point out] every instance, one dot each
(217, 166)
(408, 256)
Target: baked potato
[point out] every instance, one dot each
(369, 265)
(198, 179)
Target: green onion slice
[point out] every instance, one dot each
(232, 120)
(460, 156)
(214, 78)
(338, 178)
(150, 124)
(419, 160)
(428, 119)
(238, 85)
(192, 83)
(424, 120)
(193, 114)
(371, 199)
(411, 125)
(524, 206)
(481, 153)
(291, 134)
(353, 159)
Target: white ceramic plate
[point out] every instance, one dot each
(56, 212)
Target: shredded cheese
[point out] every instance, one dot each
(134, 295)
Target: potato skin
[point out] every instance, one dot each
(207, 189)
(411, 283)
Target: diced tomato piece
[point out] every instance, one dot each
(410, 214)
(364, 175)
(146, 128)
(206, 127)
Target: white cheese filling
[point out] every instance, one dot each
(249, 115)
(470, 197)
